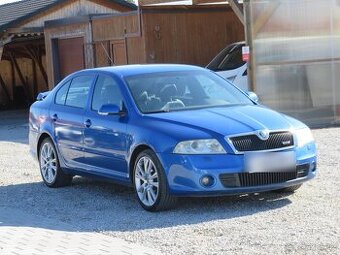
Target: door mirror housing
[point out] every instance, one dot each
(110, 109)
(253, 96)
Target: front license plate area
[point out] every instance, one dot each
(269, 162)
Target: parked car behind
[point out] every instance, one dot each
(229, 65)
(169, 131)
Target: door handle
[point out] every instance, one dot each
(54, 117)
(87, 123)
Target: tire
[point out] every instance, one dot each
(290, 189)
(50, 170)
(150, 183)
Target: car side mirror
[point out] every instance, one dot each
(110, 109)
(253, 96)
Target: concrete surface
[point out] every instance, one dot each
(306, 222)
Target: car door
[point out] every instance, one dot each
(67, 113)
(105, 139)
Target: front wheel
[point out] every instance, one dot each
(51, 172)
(150, 183)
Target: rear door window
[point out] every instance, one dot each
(78, 92)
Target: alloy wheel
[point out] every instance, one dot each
(146, 181)
(48, 163)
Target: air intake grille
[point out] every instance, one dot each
(259, 179)
(276, 140)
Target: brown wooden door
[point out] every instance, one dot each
(118, 52)
(71, 55)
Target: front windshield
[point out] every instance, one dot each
(169, 91)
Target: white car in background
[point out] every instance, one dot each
(229, 64)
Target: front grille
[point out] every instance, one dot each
(259, 179)
(252, 142)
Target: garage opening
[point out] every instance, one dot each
(71, 56)
(22, 70)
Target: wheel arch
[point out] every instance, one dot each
(138, 149)
(41, 138)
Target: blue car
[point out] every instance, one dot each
(169, 131)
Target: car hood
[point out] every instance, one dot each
(230, 120)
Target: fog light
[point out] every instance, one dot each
(207, 181)
(313, 167)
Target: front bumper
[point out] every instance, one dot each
(184, 172)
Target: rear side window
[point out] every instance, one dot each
(232, 61)
(78, 92)
(62, 93)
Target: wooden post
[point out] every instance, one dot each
(3, 86)
(21, 77)
(238, 10)
(35, 80)
(249, 42)
(36, 57)
(13, 80)
(1, 51)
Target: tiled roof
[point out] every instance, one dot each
(13, 13)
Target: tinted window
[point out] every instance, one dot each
(106, 92)
(62, 93)
(233, 60)
(213, 65)
(228, 59)
(79, 90)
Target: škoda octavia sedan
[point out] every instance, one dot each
(169, 131)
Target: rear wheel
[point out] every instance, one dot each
(289, 189)
(150, 183)
(51, 173)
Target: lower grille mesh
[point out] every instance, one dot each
(259, 179)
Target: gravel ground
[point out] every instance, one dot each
(306, 222)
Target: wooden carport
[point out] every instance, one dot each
(22, 64)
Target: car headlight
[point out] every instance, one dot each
(303, 136)
(202, 146)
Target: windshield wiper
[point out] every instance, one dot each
(159, 111)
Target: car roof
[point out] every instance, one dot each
(131, 70)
